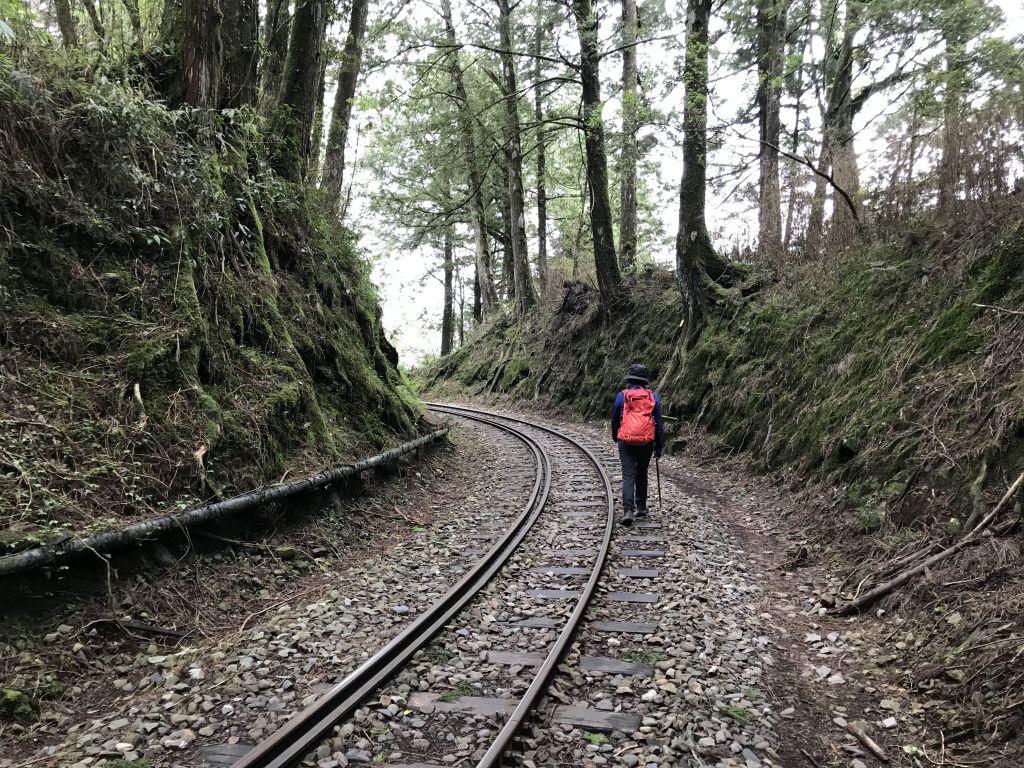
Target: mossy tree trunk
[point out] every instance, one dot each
(201, 52)
(609, 279)
(524, 295)
(771, 41)
(66, 23)
(341, 116)
(240, 43)
(630, 148)
(276, 31)
(485, 282)
(448, 313)
(695, 254)
(296, 100)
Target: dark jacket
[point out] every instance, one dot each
(659, 427)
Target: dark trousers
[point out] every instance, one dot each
(635, 460)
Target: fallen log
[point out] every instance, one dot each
(71, 546)
(862, 602)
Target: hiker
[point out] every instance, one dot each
(638, 431)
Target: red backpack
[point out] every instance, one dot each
(637, 426)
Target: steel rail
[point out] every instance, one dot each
(302, 732)
(495, 755)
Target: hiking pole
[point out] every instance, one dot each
(657, 473)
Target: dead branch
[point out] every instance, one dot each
(870, 597)
(867, 741)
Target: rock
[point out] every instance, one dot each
(400, 610)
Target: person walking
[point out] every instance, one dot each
(638, 431)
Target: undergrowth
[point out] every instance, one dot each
(176, 322)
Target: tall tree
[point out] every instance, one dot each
(630, 148)
(448, 312)
(240, 53)
(201, 50)
(488, 297)
(348, 76)
(542, 195)
(609, 279)
(524, 294)
(66, 23)
(276, 31)
(695, 254)
(771, 41)
(296, 101)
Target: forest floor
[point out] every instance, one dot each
(763, 676)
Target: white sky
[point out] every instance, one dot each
(411, 305)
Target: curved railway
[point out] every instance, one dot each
(586, 493)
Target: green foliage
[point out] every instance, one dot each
(739, 714)
(597, 739)
(456, 693)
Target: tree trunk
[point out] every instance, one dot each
(97, 22)
(276, 31)
(542, 195)
(316, 133)
(201, 52)
(448, 315)
(135, 19)
(478, 312)
(606, 266)
(952, 105)
(488, 295)
(794, 167)
(296, 100)
(630, 148)
(240, 43)
(845, 174)
(66, 23)
(524, 294)
(694, 251)
(348, 76)
(771, 41)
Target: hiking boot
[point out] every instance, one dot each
(642, 512)
(627, 518)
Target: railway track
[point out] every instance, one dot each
(570, 488)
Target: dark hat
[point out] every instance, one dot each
(638, 372)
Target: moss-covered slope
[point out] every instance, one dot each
(894, 371)
(175, 321)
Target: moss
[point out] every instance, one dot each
(17, 706)
(234, 299)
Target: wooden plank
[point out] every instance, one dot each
(614, 666)
(223, 755)
(634, 597)
(643, 553)
(596, 719)
(515, 658)
(553, 594)
(627, 627)
(639, 573)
